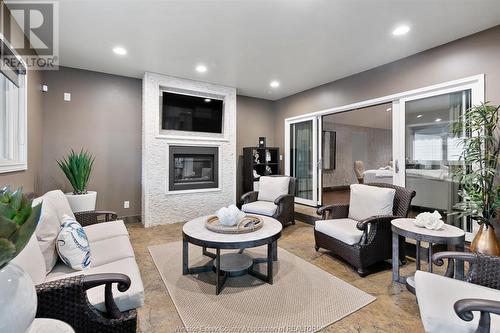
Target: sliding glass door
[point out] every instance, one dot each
(430, 152)
(302, 158)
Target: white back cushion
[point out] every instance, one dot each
(54, 207)
(270, 188)
(31, 261)
(436, 296)
(367, 201)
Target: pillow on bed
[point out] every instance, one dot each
(367, 201)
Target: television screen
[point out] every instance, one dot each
(191, 113)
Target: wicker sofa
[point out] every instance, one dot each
(100, 299)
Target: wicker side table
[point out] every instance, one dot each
(448, 235)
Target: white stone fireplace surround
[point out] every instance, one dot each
(159, 204)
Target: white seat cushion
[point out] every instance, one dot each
(342, 229)
(436, 296)
(105, 230)
(367, 201)
(31, 261)
(270, 188)
(112, 249)
(130, 299)
(260, 207)
(54, 207)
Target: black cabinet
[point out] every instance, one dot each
(259, 162)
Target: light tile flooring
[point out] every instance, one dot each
(395, 309)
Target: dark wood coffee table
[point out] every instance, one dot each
(231, 264)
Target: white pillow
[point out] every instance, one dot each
(72, 244)
(270, 188)
(367, 201)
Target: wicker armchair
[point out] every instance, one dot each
(285, 210)
(464, 296)
(66, 299)
(375, 244)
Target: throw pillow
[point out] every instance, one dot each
(72, 244)
(270, 188)
(367, 201)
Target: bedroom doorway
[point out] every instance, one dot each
(357, 147)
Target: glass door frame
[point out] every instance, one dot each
(316, 160)
(399, 126)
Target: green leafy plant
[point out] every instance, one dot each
(480, 190)
(18, 221)
(77, 167)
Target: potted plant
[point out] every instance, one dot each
(18, 299)
(77, 167)
(480, 189)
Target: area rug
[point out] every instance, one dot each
(303, 298)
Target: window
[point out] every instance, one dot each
(13, 146)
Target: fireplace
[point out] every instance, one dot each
(193, 168)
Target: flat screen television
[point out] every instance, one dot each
(191, 113)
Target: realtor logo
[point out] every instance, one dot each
(32, 29)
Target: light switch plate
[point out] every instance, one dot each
(126, 204)
(45, 88)
(67, 97)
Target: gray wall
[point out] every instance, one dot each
(103, 116)
(475, 54)
(255, 118)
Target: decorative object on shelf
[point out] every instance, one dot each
(431, 221)
(247, 224)
(262, 142)
(480, 193)
(269, 171)
(77, 167)
(256, 156)
(18, 301)
(229, 216)
(255, 174)
(268, 156)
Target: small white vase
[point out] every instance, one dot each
(18, 300)
(82, 202)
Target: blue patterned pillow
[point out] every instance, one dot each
(72, 244)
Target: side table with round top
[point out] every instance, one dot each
(406, 227)
(230, 264)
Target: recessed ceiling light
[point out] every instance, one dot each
(388, 109)
(208, 100)
(401, 30)
(438, 120)
(119, 50)
(201, 68)
(274, 84)
(419, 116)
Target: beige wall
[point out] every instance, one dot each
(476, 54)
(103, 116)
(255, 118)
(30, 178)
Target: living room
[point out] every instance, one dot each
(142, 133)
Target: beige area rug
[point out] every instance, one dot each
(303, 298)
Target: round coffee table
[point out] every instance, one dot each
(231, 264)
(406, 227)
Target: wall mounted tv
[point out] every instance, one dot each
(191, 113)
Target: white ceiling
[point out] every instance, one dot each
(247, 43)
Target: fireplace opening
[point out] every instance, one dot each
(193, 168)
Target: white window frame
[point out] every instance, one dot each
(18, 140)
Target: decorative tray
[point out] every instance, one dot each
(247, 224)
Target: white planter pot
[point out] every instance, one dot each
(82, 202)
(17, 299)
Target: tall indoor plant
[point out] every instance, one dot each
(18, 220)
(480, 188)
(77, 167)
